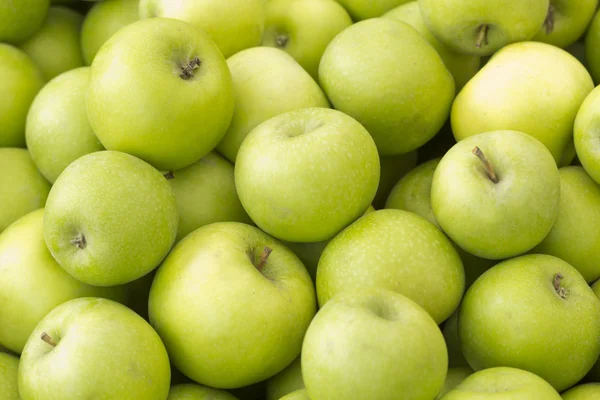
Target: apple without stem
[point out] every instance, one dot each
(9, 377)
(588, 391)
(566, 21)
(287, 381)
(197, 392)
(586, 135)
(21, 19)
(592, 46)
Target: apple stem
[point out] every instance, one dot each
(263, 258)
(169, 175)
(79, 241)
(549, 21)
(281, 41)
(482, 36)
(46, 338)
(486, 163)
(187, 71)
(561, 291)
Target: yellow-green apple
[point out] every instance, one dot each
(58, 131)
(197, 392)
(532, 87)
(21, 19)
(287, 381)
(462, 66)
(93, 348)
(234, 25)
(102, 21)
(507, 314)
(306, 174)
(566, 21)
(300, 394)
(454, 377)
(365, 9)
(588, 391)
(384, 74)
(260, 75)
(304, 28)
(373, 343)
(496, 194)
(226, 287)
(55, 47)
(169, 103)
(456, 359)
(21, 81)
(392, 168)
(592, 46)
(9, 377)
(411, 256)
(22, 187)
(586, 135)
(110, 218)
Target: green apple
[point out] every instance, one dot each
(384, 74)
(482, 27)
(462, 66)
(588, 391)
(532, 87)
(234, 25)
(22, 188)
(456, 359)
(102, 21)
(496, 194)
(304, 28)
(534, 312)
(586, 135)
(55, 46)
(300, 394)
(365, 9)
(210, 183)
(168, 103)
(592, 44)
(260, 75)
(232, 305)
(197, 392)
(58, 130)
(575, 235)
(287, 381)
(392, 169)
(566, 21)
(21, 19)
(32, 283)
(110, 218)
(92, 348)
(373, 344)
(306, 174)
(453, 378)
(21, 81)
(9, 377)
(405, 253)
(502, 383)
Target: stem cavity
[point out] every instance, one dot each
(264, 258)
(486, 163)
(561, 291)
(46, 338)
(187, 70)
(79, 241)
(281, 41)
(169, 175)
(549, 21)
(482, 36)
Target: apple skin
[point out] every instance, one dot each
(300, 394)
(586, 135)
(392, 169)
(454, 377)
(365, 9)
(304, 28)
(211, 275)
(197, 392)
(208, 182)
(21, 81)
(462, 66)
(287, 381)
(22, 187)
(234, 25)
(55, 46)
(58, 130)
(104, 350)
(405, 253)
(483, 217)
(145, 108)
(102, 21)
(9, 377)
(592, 44)
(373, 344)
(21, 19)
(397, 78)
(261, 74)
(110, 218)
(569, 22)
(502, 383)
(306, 174)
(588, 391)
(506, 94)
(505, 317)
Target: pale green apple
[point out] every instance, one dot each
(462, 66)
(110, 218)
(456, 359)
(32, 283)
(482, 27)
(22, 187)
(306, 174)
(566, 21)
(532, 87)
(55, 46)
(574, 237)
(454, 377)
(21, 19)
(304, 28)
(261, 75)
(592, 48)
(496, 194)
(392, 169)
(405, 253)
(197, 392)
(234, 25)
(92, 348)
(205, 193)
(168, 103)
(384, 74)
(586, 135)
(287, 381)
(534, 312)
(58, 130)
(588, 391)
(21, 81)
(300, 394)
(373, 344)
(365, 9)
(232, 305)
(102, 21)
(9, 377)
(502, 383)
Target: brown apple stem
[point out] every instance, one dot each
(169, 175)
(561, 291)
(482, 36)
(486, 163)
(263, 258)
(549, 21)
(79, 241)
(187, 71)
(46, 338)
(281, 41)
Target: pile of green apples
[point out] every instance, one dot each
(299, 200)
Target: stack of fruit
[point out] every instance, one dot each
(299, 199)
